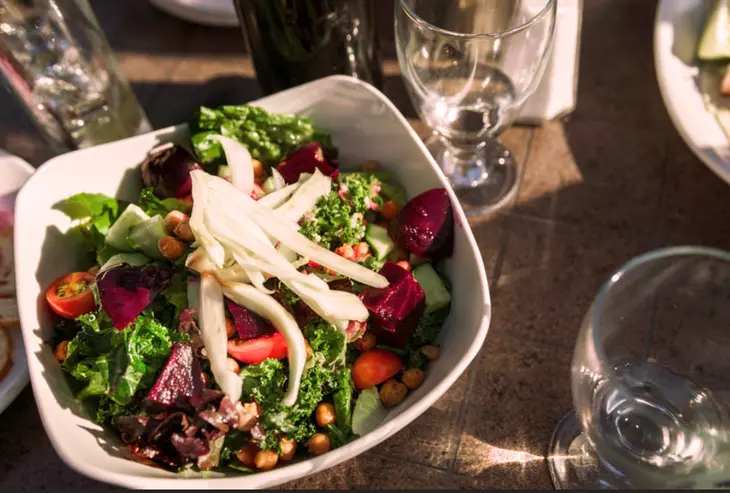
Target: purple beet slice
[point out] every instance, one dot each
(168, 172)
(248, 324)
(180, 380)
(125, 290)
(305, 160)
(396, 309)
(426, 225)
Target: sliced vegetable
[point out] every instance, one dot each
(168, 172)
(146, 236)
(306, 196)
(369, 412)
(379, 241)
(426, 225)
(133, 259)
(437, 296)
(375, 367)
(125, 290)
(274, 182)
(180, 379)
(213, 329)
(715, 41)
(248, 324)
(118, 232)
(254, 351)
(278, 197)
(305, 160)
(211, 246)
(70, 296)
(239, 160)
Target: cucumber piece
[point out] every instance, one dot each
(715, 41)
(145, 236)
(379, 241)
(118, 232)
(437, 296)
(134, 259)
(394, 192)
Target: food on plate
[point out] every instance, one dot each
(713, 53)
(256, 303)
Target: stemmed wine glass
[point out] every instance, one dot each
(469, 65)
(651, 378)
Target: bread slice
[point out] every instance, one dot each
(6, 353)
(8, 313)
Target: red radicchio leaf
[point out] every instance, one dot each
(125, 290)
(168, 172)
(189, 447)
(305, 160)
(180, 380)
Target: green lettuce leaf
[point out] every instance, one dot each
(153, 205)
(95, 213)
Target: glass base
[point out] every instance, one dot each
(573, 463)
(484, 177)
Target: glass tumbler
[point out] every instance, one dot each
(651, 378)
(55, 58)
(469, 65)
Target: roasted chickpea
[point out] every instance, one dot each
(288, 448)
(319, 444)
(405, 265)
(232, 365)
(393, 392)
(61, 351)
(184, 231)
(258, 170)
(247, 454)
(230, 328)
(413, 378)
(325, 414)
(308, 349)
(389, 210)
(430, 352)
(173, 219)
(266, 460)
(370, 165)
(170, 248)
(366, 342)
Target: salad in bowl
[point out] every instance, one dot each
(255, 304)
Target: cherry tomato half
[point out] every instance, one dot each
(70, 296)
(254, 351)
(374, 367)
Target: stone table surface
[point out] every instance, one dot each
(611, 181)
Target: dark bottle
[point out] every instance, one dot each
(296, 41)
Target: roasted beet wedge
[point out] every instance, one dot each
(168, 172)
(426, 225)
(248, 324)
(397, 309)
(125, 290)
(180, 380)
(305, 160)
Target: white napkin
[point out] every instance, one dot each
(556, 94)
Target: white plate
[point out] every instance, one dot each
(364, 125)
(13, 173)
(220, 13)
(677, 29)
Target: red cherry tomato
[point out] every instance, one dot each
(70, 296)
(375, 367)
(254, 351)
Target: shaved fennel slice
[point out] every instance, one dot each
(275, 199)
(213, 331)
(331, 304)
(286, 252)
(240, 162)
(267, 307)
(274, 182)
(255, 275)
(306, 196)
(226, 196)
(197, 218)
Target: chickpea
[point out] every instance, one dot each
(247, 454)
(230, 328)
(173, 219)
(389, 210)
(266, 460)
(405, 265)
(430, 352)
(319, 444)
(366, 342)
(258, 170)
(288, 448)
(393, 392)
(170, 248)
(325, 414)
(413, 378)
(370, 166)
(184, 231)
(232, 365)
(61, 351)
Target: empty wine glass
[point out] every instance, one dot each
(651, 378)
(469, 65)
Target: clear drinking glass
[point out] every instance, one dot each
(651, 378)
(469, 65)
(55, 58)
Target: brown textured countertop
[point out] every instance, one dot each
(611, 182)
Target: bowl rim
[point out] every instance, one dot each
(305, 467)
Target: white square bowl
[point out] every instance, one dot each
(364, 125)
